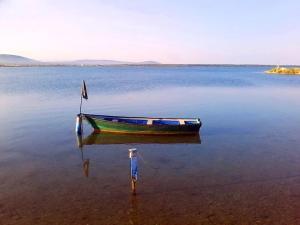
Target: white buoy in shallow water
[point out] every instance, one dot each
(78, 127)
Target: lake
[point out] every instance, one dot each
(246, 170)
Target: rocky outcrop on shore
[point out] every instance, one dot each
(284, 70)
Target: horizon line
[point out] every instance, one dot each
(37, 62)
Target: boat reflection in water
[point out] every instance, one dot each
(112, 138)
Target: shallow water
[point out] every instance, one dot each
(245, 171)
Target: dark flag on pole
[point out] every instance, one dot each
(79, 116)
(84, 91)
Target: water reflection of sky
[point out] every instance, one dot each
(233, 107)
(122, 79)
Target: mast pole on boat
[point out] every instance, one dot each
(78, 128)
(80, 104)
(83, 94)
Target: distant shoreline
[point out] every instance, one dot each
(140, 65)
(8, 60)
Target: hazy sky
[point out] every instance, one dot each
(168, 31)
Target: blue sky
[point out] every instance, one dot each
(190, 31)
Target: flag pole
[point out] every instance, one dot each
(80, 104)
(78, 127)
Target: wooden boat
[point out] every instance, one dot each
(142, 125)
(117, 138)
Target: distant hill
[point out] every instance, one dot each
(149, 62)
(6, 59)
(15, 60)
(89, 62)
(96, 62)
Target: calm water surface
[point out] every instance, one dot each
(245, 171)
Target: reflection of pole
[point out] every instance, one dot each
(85, 162)
(133, 211)
(79, 141)
(86, 166)
(133, 169)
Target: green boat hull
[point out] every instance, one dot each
(116, 138)
(102, 125)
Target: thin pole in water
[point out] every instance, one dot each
(133, 169)
(80, 104)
